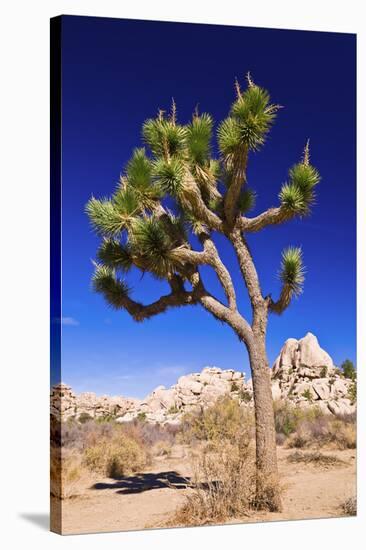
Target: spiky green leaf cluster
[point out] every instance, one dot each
(246, 200)
(139, 178)
(292, 270)
(254, 114)
(169, 175)
(114, 255)
(199, 135)
(105, 282)
(298, 194)
(228, 136)
(250, 120)
(153, 240)
(104, 217)
(164, 137)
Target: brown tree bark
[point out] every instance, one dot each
(268, 490)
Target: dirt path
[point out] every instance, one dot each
(150, 499)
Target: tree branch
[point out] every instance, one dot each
(191, 199)
(220, 311)
(247, 267)
(221, 271)
(209, 256)
(282, 303)
(272, 216)
(140, 312)
(238, 179)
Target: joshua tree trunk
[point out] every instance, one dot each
(266, 455)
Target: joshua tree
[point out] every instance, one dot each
(176, 189)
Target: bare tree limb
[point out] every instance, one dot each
(247, 267)
(272, 216)
(140, 312)
(191, 199)
(220, 311)
(237, 180)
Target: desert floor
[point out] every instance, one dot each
(149, 499)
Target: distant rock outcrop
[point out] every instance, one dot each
(303, 374)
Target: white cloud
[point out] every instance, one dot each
(69, 322)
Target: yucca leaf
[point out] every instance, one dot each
(246, 200)
(114, 255)
(254, 115)
(199, 134)
(292, 198)
(229, 137)
(305, 177)
(292, 270)
(104, 217)
(138, 169)
(151, 241)
(126, 203)
(169, 175)
(164, 137)
(105, 282)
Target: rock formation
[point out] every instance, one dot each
(303, 374)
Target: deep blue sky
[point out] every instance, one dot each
(117, 73)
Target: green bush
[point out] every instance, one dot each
(225, 420)
(352, 393)
(323, 372)
(307, 394)
(348, 369)
(84, 417)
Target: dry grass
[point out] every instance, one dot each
(222, 485)
(116, 457)
(67, 474)
(349, 506)
(223, 421)
(315, 458)
(162, 449)
(304, 428)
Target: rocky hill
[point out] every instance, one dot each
(303, 374)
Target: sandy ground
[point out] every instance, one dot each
(149, 499)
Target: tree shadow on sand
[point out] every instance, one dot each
(145, 482)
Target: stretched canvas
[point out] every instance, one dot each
(203, 252)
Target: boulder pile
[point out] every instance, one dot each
(303, 374)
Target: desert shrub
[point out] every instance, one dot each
(307, 394)
(341, 434)
(66, 473)
(349, 506)
(323, 372)
(311, 427)
(222, 485)
(173, 409)
(225, 420)
(348, 369)
(352, 393)
(117, 457)
(149, 434)
(84, 417)
(234, 386)
(245, 396)
(286, 419)
(315, 458)
(141, 416)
